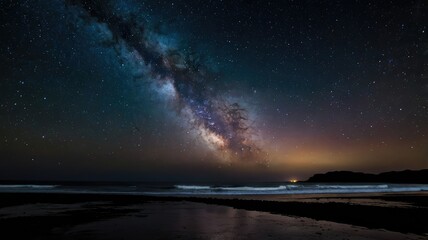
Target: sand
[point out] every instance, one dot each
(62, 216)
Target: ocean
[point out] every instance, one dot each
(174, 189)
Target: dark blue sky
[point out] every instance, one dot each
(202, 90)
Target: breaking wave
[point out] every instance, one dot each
(207, 189)
(27, 186)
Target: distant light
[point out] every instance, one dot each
(293, 180)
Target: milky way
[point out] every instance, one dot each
(196, 90)
(180, 77)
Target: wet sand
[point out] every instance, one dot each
(89, 216)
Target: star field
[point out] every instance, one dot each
(165, 90)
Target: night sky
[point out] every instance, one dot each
(211, 90)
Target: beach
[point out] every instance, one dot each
(116, 216)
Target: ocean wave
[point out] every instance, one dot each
(241, 188)
(192, 187)
(220, 189)
(27, 186)
(351, 186)
(294, 189)
(245, 188)
(281, 187)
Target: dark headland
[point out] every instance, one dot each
(406, 176)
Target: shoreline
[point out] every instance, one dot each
(389, 217)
